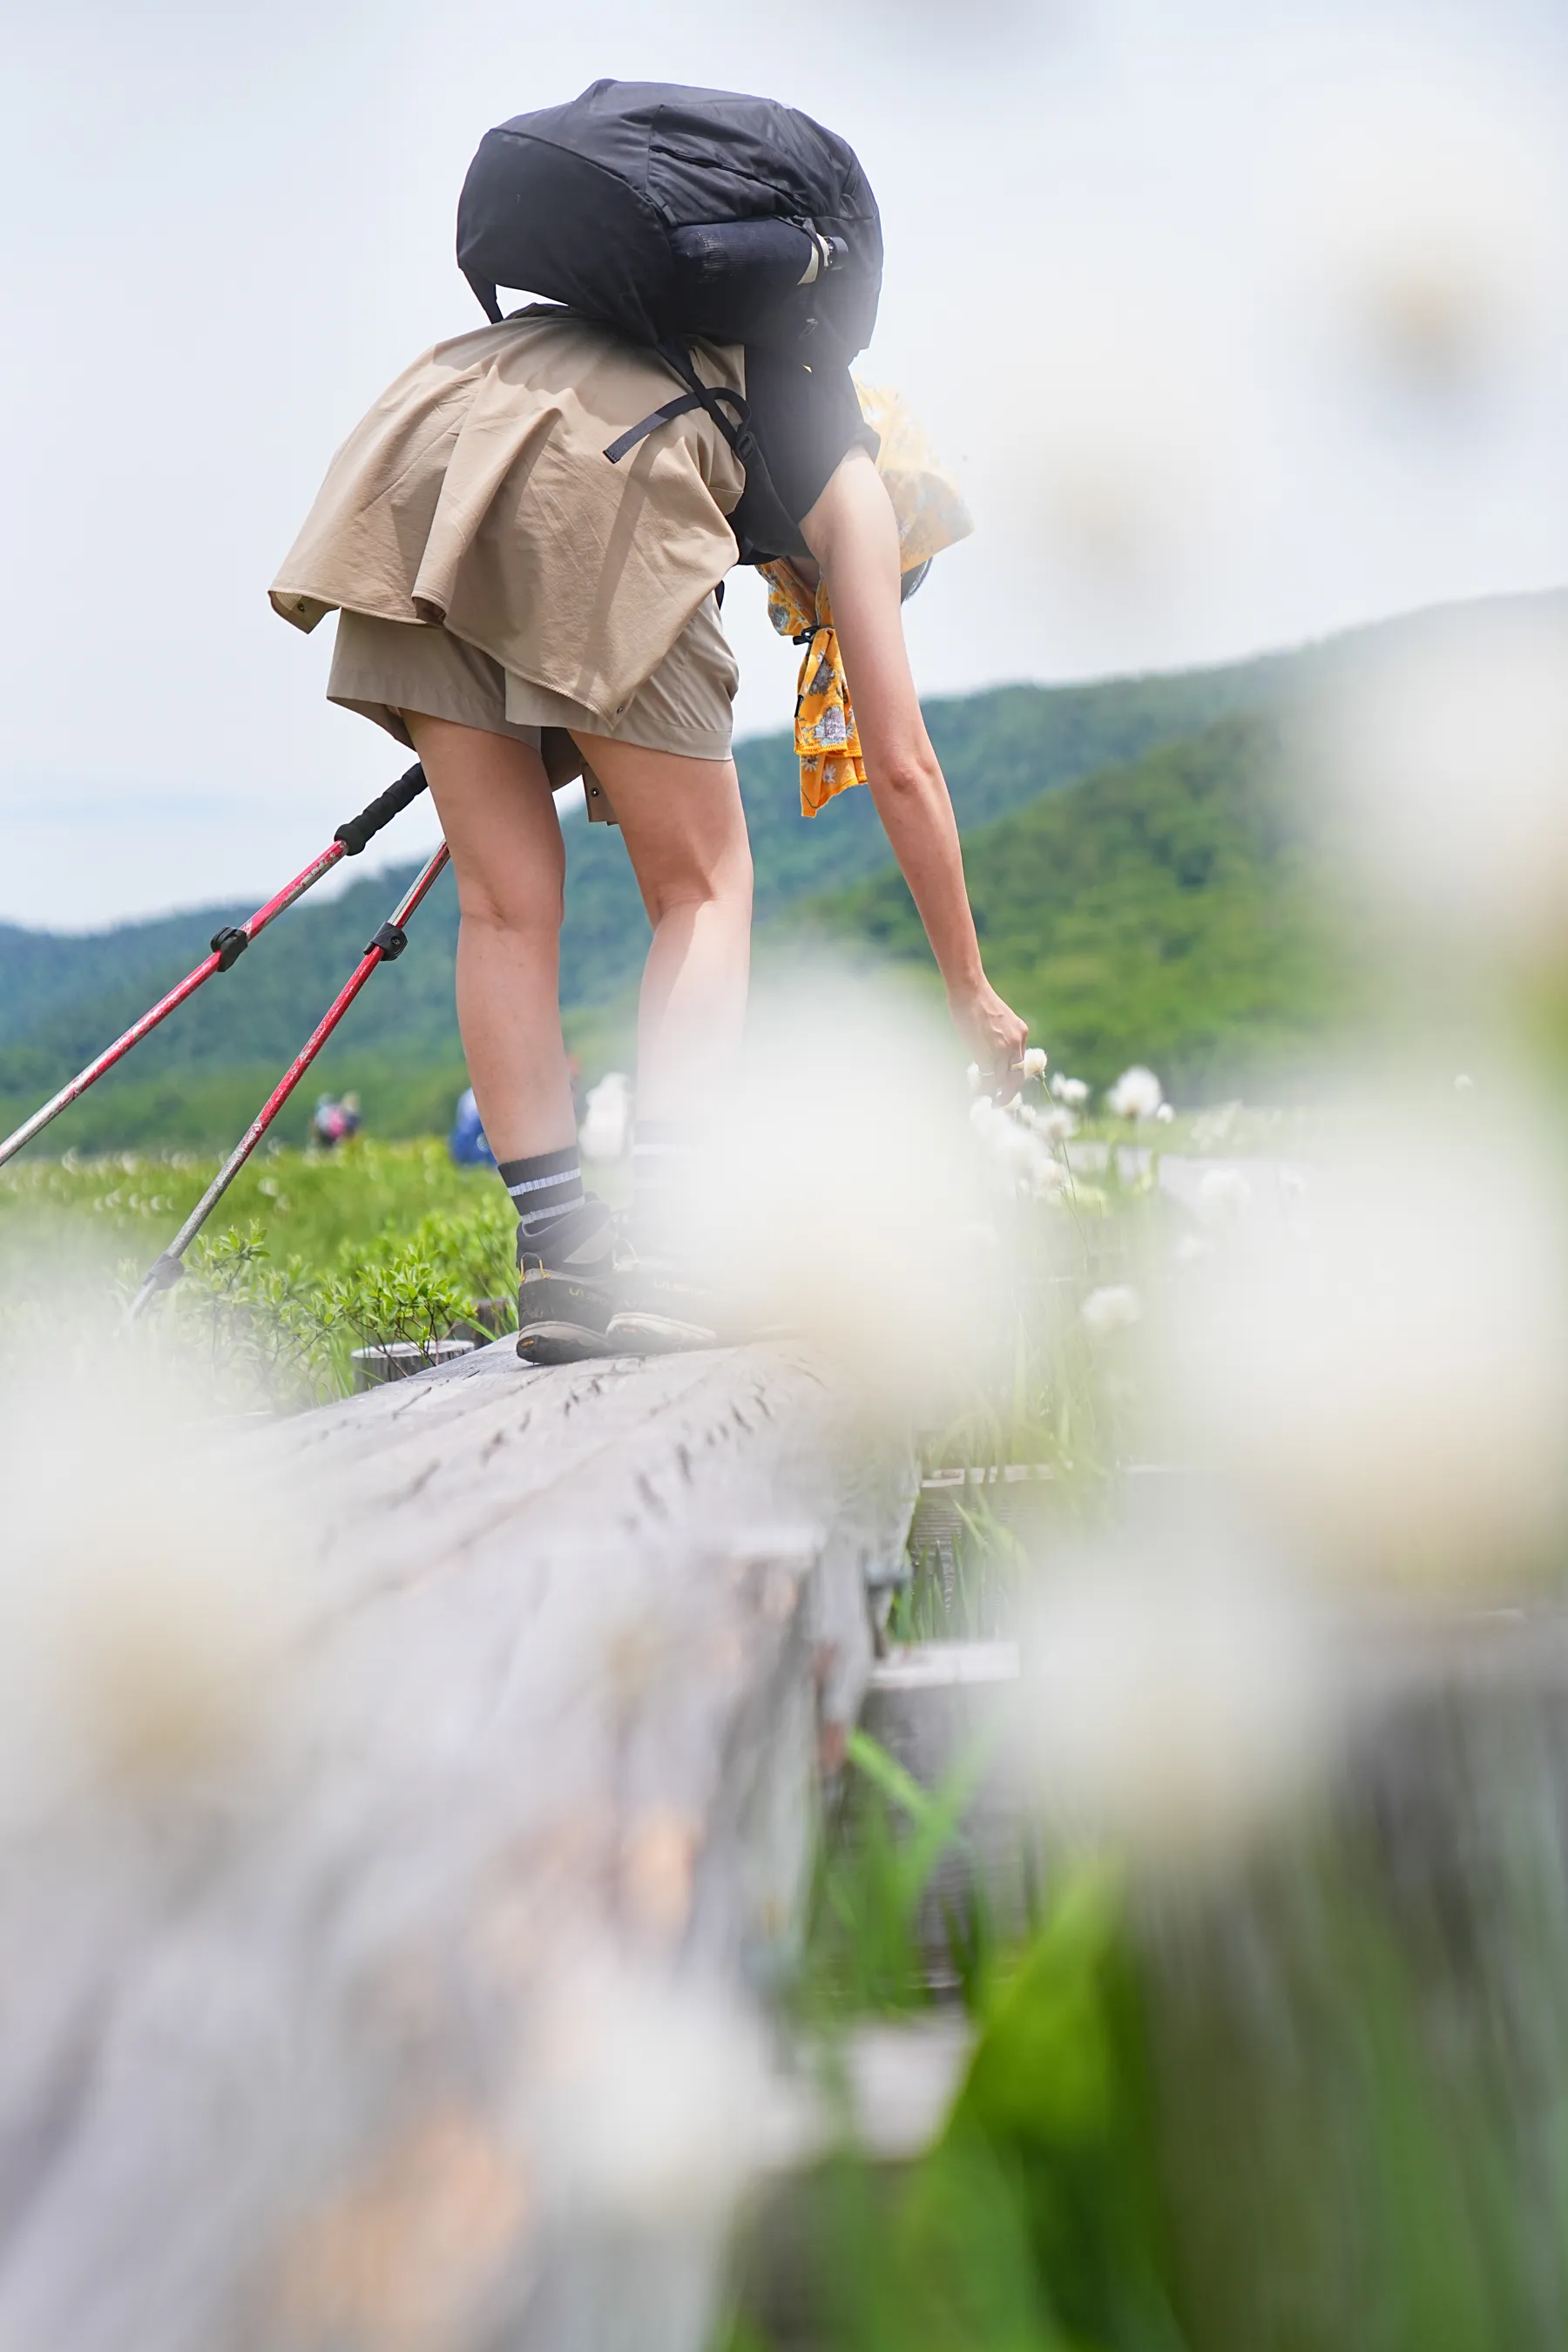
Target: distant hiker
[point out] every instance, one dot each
(525, 540)
(332, 1123)
(467, 1143)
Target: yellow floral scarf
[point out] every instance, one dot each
(825, 736)
(932, 516)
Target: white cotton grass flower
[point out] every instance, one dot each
(1442, 759)
(1165, 1114)
(1056, 1126)
(1389, 1390)
(841, 1171)
(1050, 1179)
(649, 2098)
(1173, 1706)
(1120, 462)
(1017, 1151)
(1116, 1306)
(1440, 203)
(606, 1134)
(147, 1589)
(1020, 1146)
(1072, 1092)
(1137, 1094)
(1034, 1060)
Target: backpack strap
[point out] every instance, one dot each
(485, 295)
(665, 415)
(700, 395)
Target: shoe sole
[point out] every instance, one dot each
(657, 1334)
(563, 1343)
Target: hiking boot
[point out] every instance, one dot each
(661, 1306)
(565, 1297)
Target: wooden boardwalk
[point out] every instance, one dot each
(575, 1648)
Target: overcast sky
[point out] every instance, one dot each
(1240, 319)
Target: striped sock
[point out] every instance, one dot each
(664, 1155)
(542, 1190)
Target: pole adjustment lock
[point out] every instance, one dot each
(228, 945)
(392, 938)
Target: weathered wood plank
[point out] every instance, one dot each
(282, 2051)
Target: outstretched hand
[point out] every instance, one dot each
(994, 1035)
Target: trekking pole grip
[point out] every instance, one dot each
(380, 812)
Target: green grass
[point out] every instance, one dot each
(307, 1205)
(307, 1256)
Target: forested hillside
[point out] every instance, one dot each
(1161, 908)
(1168, 910)
(64, 997)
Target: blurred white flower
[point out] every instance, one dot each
(1074, 1092)
(1137, 1094)
(1173, 1707)
(1391, 1386)
(649, 2097)
(1119, 453)
(146, 1591)
(1023, 1154)
(1115, 1308)
(1035, 1059)
(1018, 1141)
(606, 1133)
(1447, 760)
(1056, 1126)
(1165, 1113)
(1224, 1194)
(839, 1172)
(1441, 214)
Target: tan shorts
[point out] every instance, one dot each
(382, 668)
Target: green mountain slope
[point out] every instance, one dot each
(1109, 941)
(43, 974)
(1168, 911)
(64, 998)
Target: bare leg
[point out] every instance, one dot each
(686, 834)
(496, 812)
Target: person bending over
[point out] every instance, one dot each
(521, 612)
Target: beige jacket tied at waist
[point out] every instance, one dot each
(477, 492)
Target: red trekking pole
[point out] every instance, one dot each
(385, 948)
(227, 946)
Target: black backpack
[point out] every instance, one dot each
(672, 213)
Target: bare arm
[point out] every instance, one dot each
(853, 535)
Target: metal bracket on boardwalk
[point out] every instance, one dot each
(226, 947)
